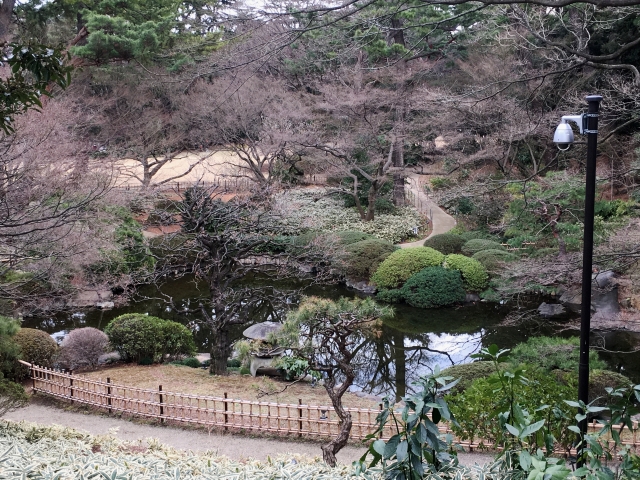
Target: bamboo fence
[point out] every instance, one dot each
(224, 184)
(232, 414)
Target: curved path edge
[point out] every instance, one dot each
(441, 221)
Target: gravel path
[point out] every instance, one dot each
(236, 447)
(441, 221)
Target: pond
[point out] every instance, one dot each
(410, 344)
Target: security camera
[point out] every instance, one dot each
(563, 136)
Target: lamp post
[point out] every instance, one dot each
(563, 137)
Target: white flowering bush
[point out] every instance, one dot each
(311, 209)
(32, 451)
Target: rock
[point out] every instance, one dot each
(551, 309)
(362, 286)
(105, 305)
(471, 298)
(572, 299)
(263, 366)
(604, 279)
(606, 302)
(89, 298)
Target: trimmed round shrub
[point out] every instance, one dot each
(433, 287)
(176, 340)
(553, 353)
(352, 236)
(477, 245)
(445, 243)
(83, 347)
(192, 362)
(474, 275)
(390, 296)
(146, 339)
(599, 380)
(402, 264)
(362, 259)
(475, 234)
(467, 373)
(492, 260)
(36, 346)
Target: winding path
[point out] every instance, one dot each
(441, 221)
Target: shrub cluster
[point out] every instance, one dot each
(445, 243)
(350, 237)
(467, 373)
(36, 346)
(474, 246)
(433, 287)
(146, 339)
(473, 273)
(492, 260)
(83, 347)
(402, 264)
(361, 259)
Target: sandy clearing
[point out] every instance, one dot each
(212, 165)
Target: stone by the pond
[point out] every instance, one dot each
(261, 331)
(362, 286)
(471, 298)
(605, 278)
(105, 305)
(551, 309)
(90, 298)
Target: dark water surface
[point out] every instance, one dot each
(410, 345)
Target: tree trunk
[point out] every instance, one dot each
(220, 351)
(6, 17)
(346, 422)
(372, 194)
(398, 177)
(401, 366)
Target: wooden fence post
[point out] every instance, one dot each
(300, 417)
(109, 394)
(226, 408)
(161, 407)
(33, 378)
(71, 384)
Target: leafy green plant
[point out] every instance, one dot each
(416, 448)
(474, 275)
(433, 287)
(445, 243)
(440, 183)
(9, 349)
(477, 245)
(402, 264)
(176, 340)
(293, 368)
(360, 260)
(36, 346)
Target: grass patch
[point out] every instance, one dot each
(176, 378)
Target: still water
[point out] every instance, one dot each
(410, 344)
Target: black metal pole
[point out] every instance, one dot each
(587, 260)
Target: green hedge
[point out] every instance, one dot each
(146, 339)
(445, 243)
(466, 373)
(360, 260)
(493, 259)
(402, 264)
(473, 273)
(433, 287)
(477, 245)
(36, 346)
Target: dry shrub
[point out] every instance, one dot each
(83, 347)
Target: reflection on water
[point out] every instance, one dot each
(410, 345)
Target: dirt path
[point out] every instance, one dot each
(237, 447)
(441, 221)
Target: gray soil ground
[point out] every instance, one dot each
(237, 447)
